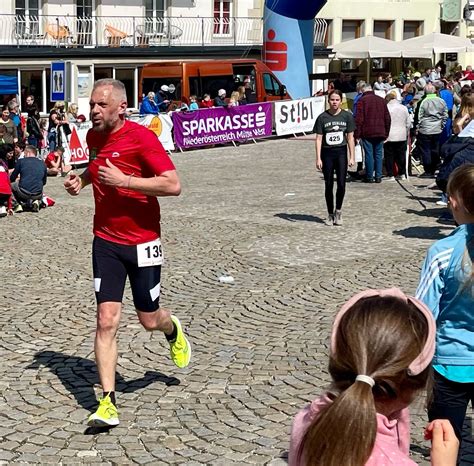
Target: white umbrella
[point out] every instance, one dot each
(367, 47)
(435, 43)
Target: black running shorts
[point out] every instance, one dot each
(112, 263)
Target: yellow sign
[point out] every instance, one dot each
(156, 126)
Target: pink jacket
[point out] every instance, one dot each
(392, 443)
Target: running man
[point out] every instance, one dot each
(128, 169)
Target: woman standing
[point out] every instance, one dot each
(334, 135)
(395, 146)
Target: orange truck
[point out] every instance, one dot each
(207, 77)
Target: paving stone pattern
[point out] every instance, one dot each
(259, 345)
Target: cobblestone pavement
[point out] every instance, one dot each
(259, 345)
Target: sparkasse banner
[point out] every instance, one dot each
(221, 125)
(297, 116)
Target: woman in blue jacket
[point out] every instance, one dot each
(447, 288)
(148, 105)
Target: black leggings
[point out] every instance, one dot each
(334, 160)
(450, 401)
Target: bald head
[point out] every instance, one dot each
(117, 87)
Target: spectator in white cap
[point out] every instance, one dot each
(219, 101)
(162, 99)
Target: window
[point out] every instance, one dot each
(222, 13)
(27, 7)
(412, 29)
(328, 37)
(84, 10)
(102, 73)
(127, 76)
(383, 29)
(271, 85)
(351, 29)
(26, 17)
(155, 12)
(31, 83)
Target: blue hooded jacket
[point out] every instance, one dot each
(446, 289)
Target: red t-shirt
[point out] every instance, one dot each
(51, 157)
(207, 103)
(121, 215)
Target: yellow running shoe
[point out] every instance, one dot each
(106, 414)
(180, 349)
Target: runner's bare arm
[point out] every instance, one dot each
(351, 144)
(319, 140)
(165, 184)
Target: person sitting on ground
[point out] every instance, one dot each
(19, 150)
(7, 153)
(219, 101)
(32, 172)
(381, 347)
(149, 106)
(207, 101)
(193, 105)
(54, 162)
(6, 205)
(234, 99)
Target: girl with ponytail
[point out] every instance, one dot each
(382, 344)
(447, 288)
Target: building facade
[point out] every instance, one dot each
(396, 20)
(100, 38)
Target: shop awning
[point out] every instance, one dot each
(8, 84)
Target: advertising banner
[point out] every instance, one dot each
(297, 116)
(161, 125)
(222, 125)
(77, 151)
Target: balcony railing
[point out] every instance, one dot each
(119, 31)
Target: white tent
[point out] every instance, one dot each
(435, 43)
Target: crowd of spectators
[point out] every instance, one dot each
(30, 150)
(430, 112)
(161, 101)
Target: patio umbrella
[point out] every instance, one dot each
(435, 43)
(367, 47)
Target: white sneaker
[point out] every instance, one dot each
(443, 201)
(329, 221)
(338, 217)
(402, 177)
(3, 211)
(390, 178)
